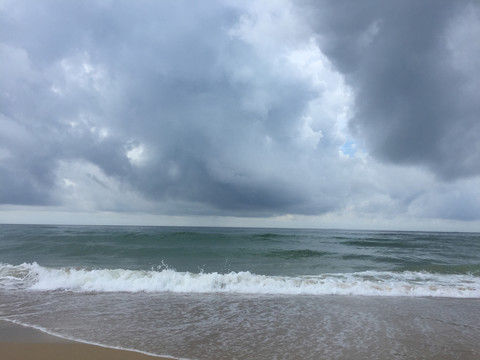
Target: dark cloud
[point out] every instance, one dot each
(414, 104)
(238, 109)
(162, 96)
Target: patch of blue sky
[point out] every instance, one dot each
(349, 148)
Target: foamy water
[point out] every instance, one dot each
(367, 283)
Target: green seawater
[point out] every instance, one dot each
(283, 252)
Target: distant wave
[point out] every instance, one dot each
(366, 243)
(369, 283)
(296, 254)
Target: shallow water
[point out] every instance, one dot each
(259, 326)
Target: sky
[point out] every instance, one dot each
(324, 114)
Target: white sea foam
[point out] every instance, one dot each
(369, 283)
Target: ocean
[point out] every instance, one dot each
(247, 293)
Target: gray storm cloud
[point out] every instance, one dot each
(245, 109)
(416, 84)
(169, 98)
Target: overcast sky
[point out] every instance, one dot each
(353, 114)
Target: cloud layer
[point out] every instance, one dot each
(242, 109)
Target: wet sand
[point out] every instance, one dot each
(22, 343)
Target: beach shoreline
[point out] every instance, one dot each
(239, 293)
(18, 342)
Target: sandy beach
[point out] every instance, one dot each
(22, 343)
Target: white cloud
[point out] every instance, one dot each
(136, 153)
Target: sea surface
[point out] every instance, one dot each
(242, 293)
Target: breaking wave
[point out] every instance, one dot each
(34, 277)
